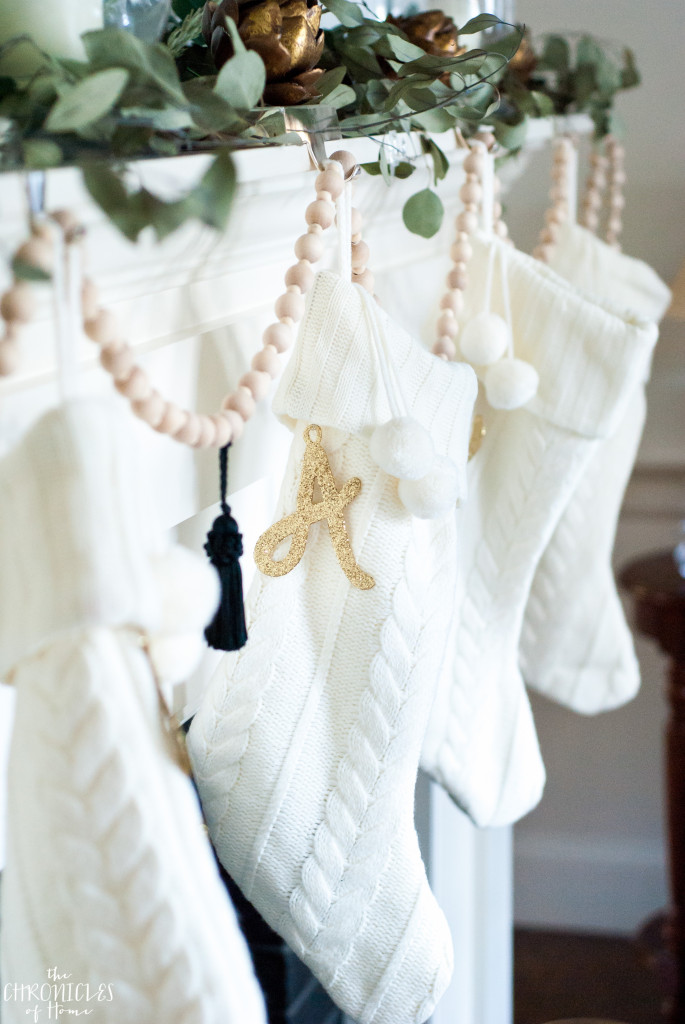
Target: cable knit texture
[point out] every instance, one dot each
(306, 747)
(481, 743)
(109, 877)
(576, 646)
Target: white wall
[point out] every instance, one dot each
(591, 856)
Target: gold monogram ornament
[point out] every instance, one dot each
(315, 466)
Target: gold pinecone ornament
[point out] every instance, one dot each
(285, 33)
(434, 31)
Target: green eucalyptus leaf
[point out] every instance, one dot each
(29, 271)
(87, 102)
(396, 46)
(241, 80)
(213, 197)
(440, 120)
(374, 169)
(341, 96)
(630, 75)
(168, 119)
(556, 54)
(347, 13)
(479, 24)
(210, 111)
(112, 47)
(543, 103)
(403, 170)
(41, 153)
(330, 80)
(441, 164)
(511, 136)
(423, 212)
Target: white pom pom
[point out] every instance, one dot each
(510, 383)
(484, 339)
(435, 494)
(175, 657)
(189, 590)
(402, 447)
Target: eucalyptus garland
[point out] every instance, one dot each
(129, 100)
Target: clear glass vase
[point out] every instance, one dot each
(144, 18)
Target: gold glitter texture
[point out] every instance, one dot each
(315, 466)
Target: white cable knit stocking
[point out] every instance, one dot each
(306, 747)
(576, 646)
(481, 743)
(109, 876)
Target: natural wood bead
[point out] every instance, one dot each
(590, 220)
(617, 201)
(321, 213)
(558, 194)
(618, 177)
(103, 328)
(356, 223)
(549, 235)
(300, 274)
(223, 430)
(356, 238)
(496, 210)
(135, 386)
(471, 192)
(173, 419)
(314, 229)
(290, 304)
(18, 303)
(461, 252)
(366, 280)
(242, 402)
(543, 252)
(592, 200)
(467, 221)
(309, 247)
(235, 422)
(501, 229)
(598, 160)
(90, 302)
(360, 254)
(207, 432)
(614, 224)
(36, 253)
(556, 216)
(189, 431)
(9, 356)
(471, 207)
(445, 347)
(267, 361)
(453, 300)
(278, 336)
(448, 326)
(474, 162)
(487, 138)
(257, 383)
(150, 409)
(68, 221)
(118, 360)
(342, 156)
(458, 277)
(43, 230)
(330, 180)
(324, 196)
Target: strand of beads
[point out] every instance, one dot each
(360, 250)
(452, 302)
(17, 304)
(558, 212)
(196, 429)
(617, 178)
(594, 189)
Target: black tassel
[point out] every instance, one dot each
(227, 630)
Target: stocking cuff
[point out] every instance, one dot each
(71, 544)
(336, 378)
(596, 268)
(590, 358)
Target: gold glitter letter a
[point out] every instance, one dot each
(315, 466)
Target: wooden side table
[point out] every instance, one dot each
(658, 592)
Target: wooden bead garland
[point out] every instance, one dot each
(17, 304)
(617, 178)
(594, 189)
(558, 212)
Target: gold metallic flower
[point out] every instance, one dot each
(434, 31)
(285, 34)
(524, 61)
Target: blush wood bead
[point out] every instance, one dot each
(235, 422)
(324, 196)
(448, 326)
(617, 201)
(278, 336)
(9, 356)
(190, 430)
(222, 430)
(118, 360)
(321, 213)
(36, 253)
(172, 420)
(309, 247)
(356, 224)
(257, 383)
(474, 162)
(549, 235)
(18, 303)
(103, 328)
(207, 435)
(68, 221)
(591, 220)
(453, 300)
(467, 221)
(555, 216)
(330, 180)
(90, 302)
(267, 361)
(300, 274)
(458, 276)
(290, 304)
(501, 229)
(150, 409)
(471, 192)
(360, 254)
(135, 386)
(592, 200)
(345, 159)
(461, 252)
(445, 347)
(241, 402)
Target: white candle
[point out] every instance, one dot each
(55, 25)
